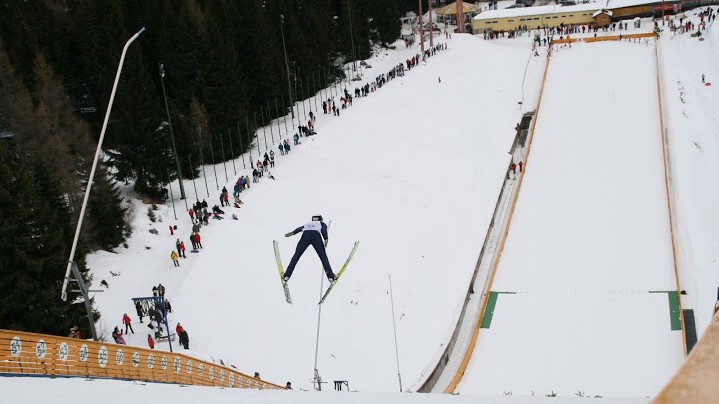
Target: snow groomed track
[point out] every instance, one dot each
(584, 297)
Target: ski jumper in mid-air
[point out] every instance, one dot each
(313, 233)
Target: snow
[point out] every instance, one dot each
(370, 172)
(414, 171)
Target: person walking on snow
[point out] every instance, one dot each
(313, 233)
(174, 256)
(182, 249)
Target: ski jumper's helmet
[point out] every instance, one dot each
(317, 218)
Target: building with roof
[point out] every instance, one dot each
(599, 13)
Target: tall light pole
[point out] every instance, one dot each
(287, 66)
(70, 263)
(172, 135)
(351, 39)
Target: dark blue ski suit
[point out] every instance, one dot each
(312, 234)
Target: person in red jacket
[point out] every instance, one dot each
(198, 239)
(150, 341)
(178, 329)
(128, 323)
(182, 249)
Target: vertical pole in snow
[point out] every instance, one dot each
(247, 126)
(204, 173)
(391, 297)
(317, 339)
(431, 30)
(189, 157)
(242, 149)
(264, 127)
(224, 159)
(284, 109)
(272, 132)
(317, 377)
(232, 151)
(279, 134)
(323, 84)
(307, 81)
(320, 85)
(421, 27)
(172, 198)
(314, 88)
(254, 114)
(214, 166)
(301, 98)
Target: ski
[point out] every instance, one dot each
(281, 270)
(339, 274)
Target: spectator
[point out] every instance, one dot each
(184, 339)
(150, 341)
(160, 290)
(75, 332)
(288, 386)
(173, 256)
(117, 336)
(257, 375)
(128, 323)
(138, 308)
(168, 306)
(182, 249)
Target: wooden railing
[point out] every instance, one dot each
(47, 355)
(625, 37)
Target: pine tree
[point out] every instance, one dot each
(385, 20)
(107, 225)
(34, 243)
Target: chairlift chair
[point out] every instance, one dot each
(86, 103)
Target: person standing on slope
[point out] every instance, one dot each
(313, 233)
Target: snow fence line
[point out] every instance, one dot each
(29, 354)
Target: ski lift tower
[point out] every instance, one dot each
(71, 260)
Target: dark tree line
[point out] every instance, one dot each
(224, 67)
(223, 61)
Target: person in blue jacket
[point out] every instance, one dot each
(313, 233)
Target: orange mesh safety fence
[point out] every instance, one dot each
(48, 355)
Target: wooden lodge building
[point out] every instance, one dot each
(601, 13)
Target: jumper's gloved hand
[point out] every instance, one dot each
(326, 241)
(290, 234)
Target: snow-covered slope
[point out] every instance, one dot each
(412, 171)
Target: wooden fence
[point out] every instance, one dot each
(48, 355)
